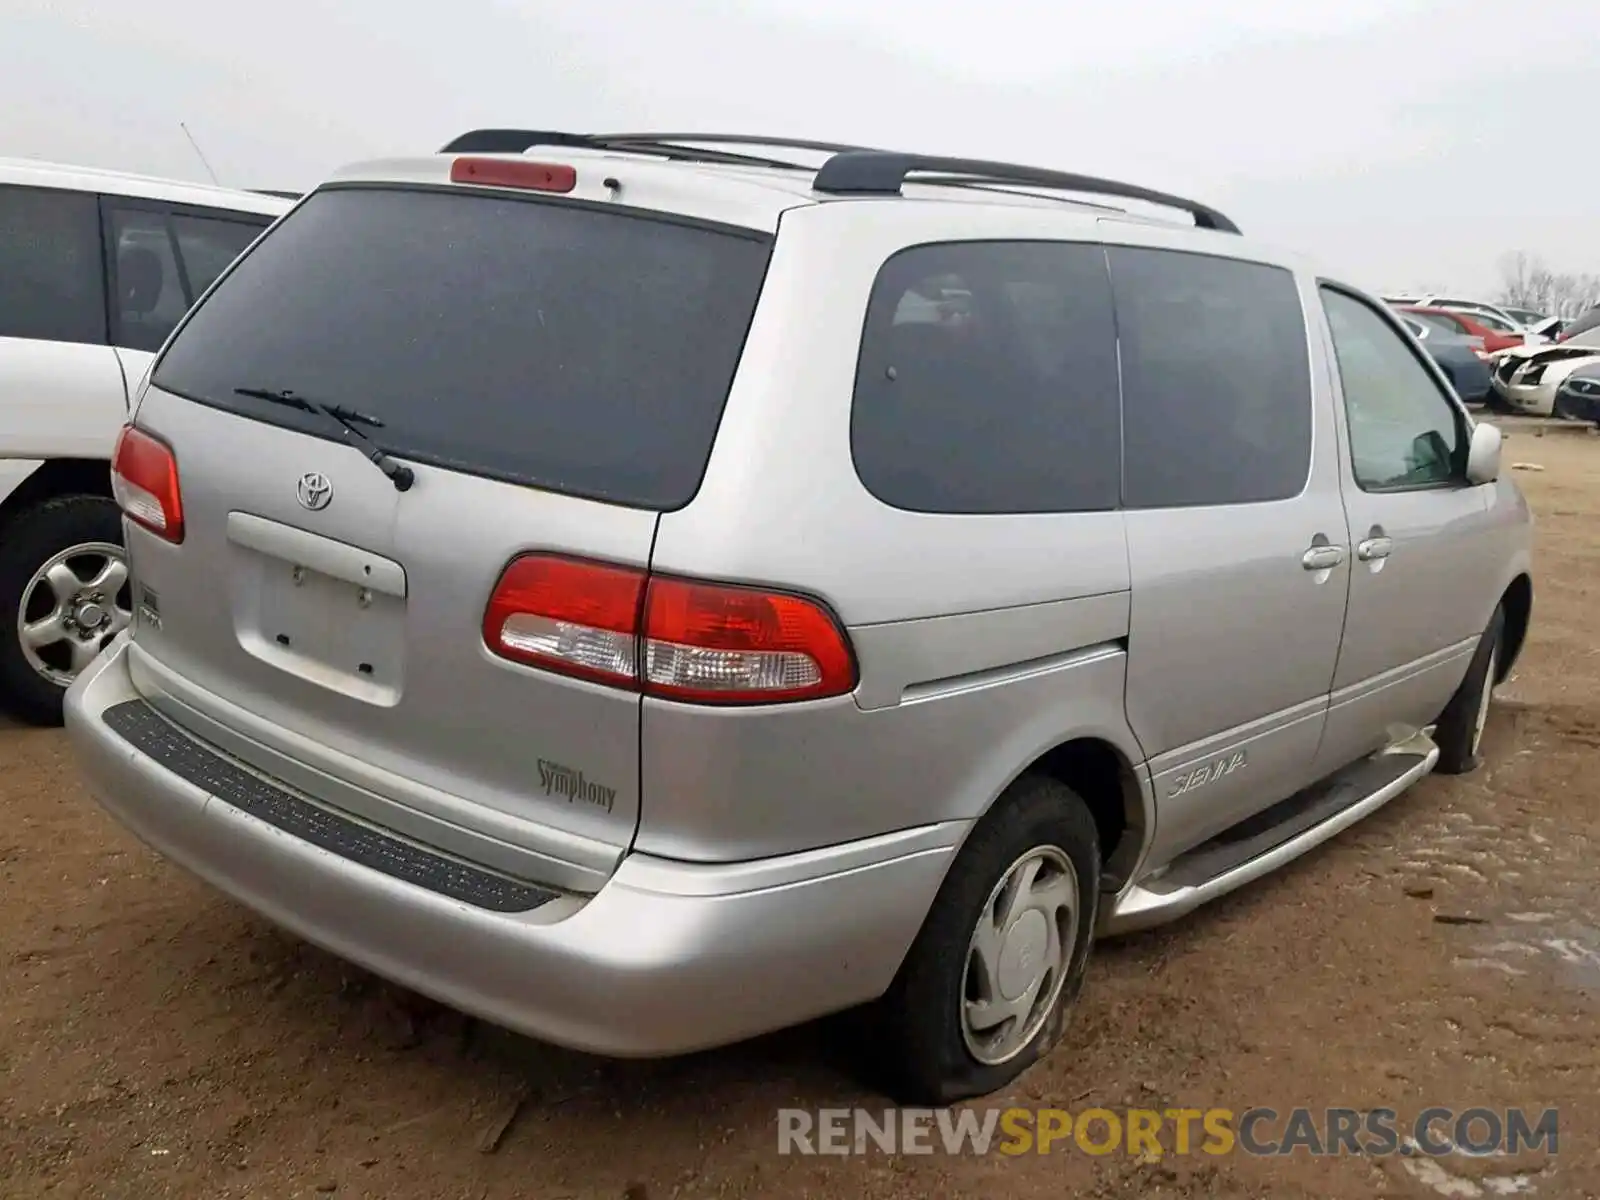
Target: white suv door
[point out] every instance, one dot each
(90, 287)
(62, 392)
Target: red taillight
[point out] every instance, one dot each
(674, 638)
(514, 173)
(578, 618)
(717, 644)
(144, 480)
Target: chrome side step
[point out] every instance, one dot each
(1263, 843)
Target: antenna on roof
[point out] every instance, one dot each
(201, 154)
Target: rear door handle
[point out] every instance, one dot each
(1322, 558)
(1374, 547)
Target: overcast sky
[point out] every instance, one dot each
(1401, 142)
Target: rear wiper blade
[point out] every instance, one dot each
(347, 419)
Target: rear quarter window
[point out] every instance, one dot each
(987, 380)
(569, 347)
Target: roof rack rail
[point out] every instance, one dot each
(518, 141)
(881, 172)
(849, 169)
(513, 141)
(741, 139)
(982, 183)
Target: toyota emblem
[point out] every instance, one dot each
(314, 491)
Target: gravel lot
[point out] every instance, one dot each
(157, 1040)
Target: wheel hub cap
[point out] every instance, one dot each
(1022, 956)
(1019, 955)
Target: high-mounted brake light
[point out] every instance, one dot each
(144, 480)
(514, 173)
(678, 639)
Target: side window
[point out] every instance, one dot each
(1491, 322)
(208, 244)
(1216, 379)
(1404, 432)
(987, 380)
(1439, 321)
(52, 285)
(150, 295)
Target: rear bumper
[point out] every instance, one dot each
(666, 958)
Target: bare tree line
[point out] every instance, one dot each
(1526, 282)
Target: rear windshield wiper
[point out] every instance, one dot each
(347, 419)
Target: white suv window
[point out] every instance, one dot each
(150, 297)
(164, 261)
(51, 284)
(208, 245)
(1404, 432)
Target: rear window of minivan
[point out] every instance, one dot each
(565, 346)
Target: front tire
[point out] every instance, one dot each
(64, 595)
(1459, 733)
(988, 984)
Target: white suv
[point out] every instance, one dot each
(96, 268)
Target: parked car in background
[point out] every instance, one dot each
(1578, 398)
(1492, 316)
(1529, 378)
(1461, 358)
(1466, 325)
(96, 269)
(1526, 317)
(576, 609)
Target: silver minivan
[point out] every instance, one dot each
(661, 589)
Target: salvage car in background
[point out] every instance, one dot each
(1529, 378)
(1526, 317)
(96, 269)
(1460, 358)
(1578, 397)
(1492, 315)
(1465, 324)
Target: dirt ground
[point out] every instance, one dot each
(158, 1040)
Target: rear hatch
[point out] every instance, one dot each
(551, 374)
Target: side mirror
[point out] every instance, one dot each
(1483, 454)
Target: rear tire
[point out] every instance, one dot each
(75, 532)
(1008, 933)
(1459, 733)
